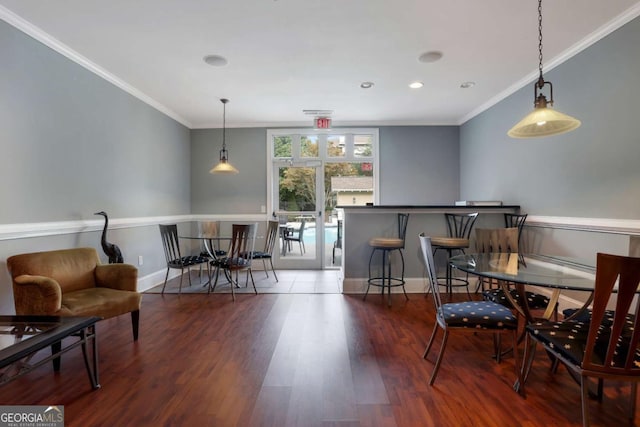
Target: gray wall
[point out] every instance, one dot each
(591, 172)
(243, 193)
(418, 165)
(73, 144)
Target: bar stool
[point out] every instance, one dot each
(459, 228)
(387, 245)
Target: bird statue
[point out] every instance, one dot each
(112, 251)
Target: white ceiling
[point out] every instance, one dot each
(288, 55)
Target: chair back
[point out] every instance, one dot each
(303, 221)
(427, 255)
(503, 240)
(515, 220)
(170, 242)
(617, 355)
(242, 246)
(272, 237)
(460, 225)
(403, 220)
(209, 228)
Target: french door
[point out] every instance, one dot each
(310, 173)
(299, 213)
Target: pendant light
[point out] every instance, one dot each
(543, 120)
(224, 167)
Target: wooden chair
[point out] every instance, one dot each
(504, 240)
(173, 255)
(273, 228)
(470, 316)
(239, 257)
(604, 347)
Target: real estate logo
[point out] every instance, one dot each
(32, 416)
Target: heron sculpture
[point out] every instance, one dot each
(110, 249)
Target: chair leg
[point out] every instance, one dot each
(250, 273)
(369, 283)
(264, 265)
(273, 269)
(165, 280)
(135, 321)
(433, 335)
(439, 360)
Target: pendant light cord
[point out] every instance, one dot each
(540, 37)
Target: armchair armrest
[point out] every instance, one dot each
(36, 295)
(123, 277)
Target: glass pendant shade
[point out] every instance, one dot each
(543, 121)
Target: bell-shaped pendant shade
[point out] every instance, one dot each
(543, 121)
(224, 167)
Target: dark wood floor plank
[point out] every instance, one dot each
(301, 360)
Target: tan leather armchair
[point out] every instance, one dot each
(73, 282)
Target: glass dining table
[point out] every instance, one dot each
(551, 272)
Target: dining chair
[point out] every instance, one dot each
(516, 220)
(297, 236)
(173, 255)
(605, 347)
(239, 257)
(273, 228)
(211, 230)
(505, 240)
(469, 316)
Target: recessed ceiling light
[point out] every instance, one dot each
(416, 85)
(467, 85)
(431, 56)
(366, 85)
(215, 60)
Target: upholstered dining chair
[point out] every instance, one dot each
(239, 257)
(606, 345)
(469, 316)
(173, 255)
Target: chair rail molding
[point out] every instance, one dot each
(41, 229)
(596, 225)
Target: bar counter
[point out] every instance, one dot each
(361, 223)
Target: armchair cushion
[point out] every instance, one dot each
(72, 282)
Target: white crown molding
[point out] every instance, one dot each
(55, 44)
(597, 225)
(630, 14)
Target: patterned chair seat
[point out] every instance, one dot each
(586, 316)
(569, 338)
(534, 300)
(478, 315)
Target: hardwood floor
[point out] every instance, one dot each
(299, 360)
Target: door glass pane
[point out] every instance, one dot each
(362, 145)
(297, 189)
(348, 184)
(282, 146)
(309, 146)
(336, 146)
